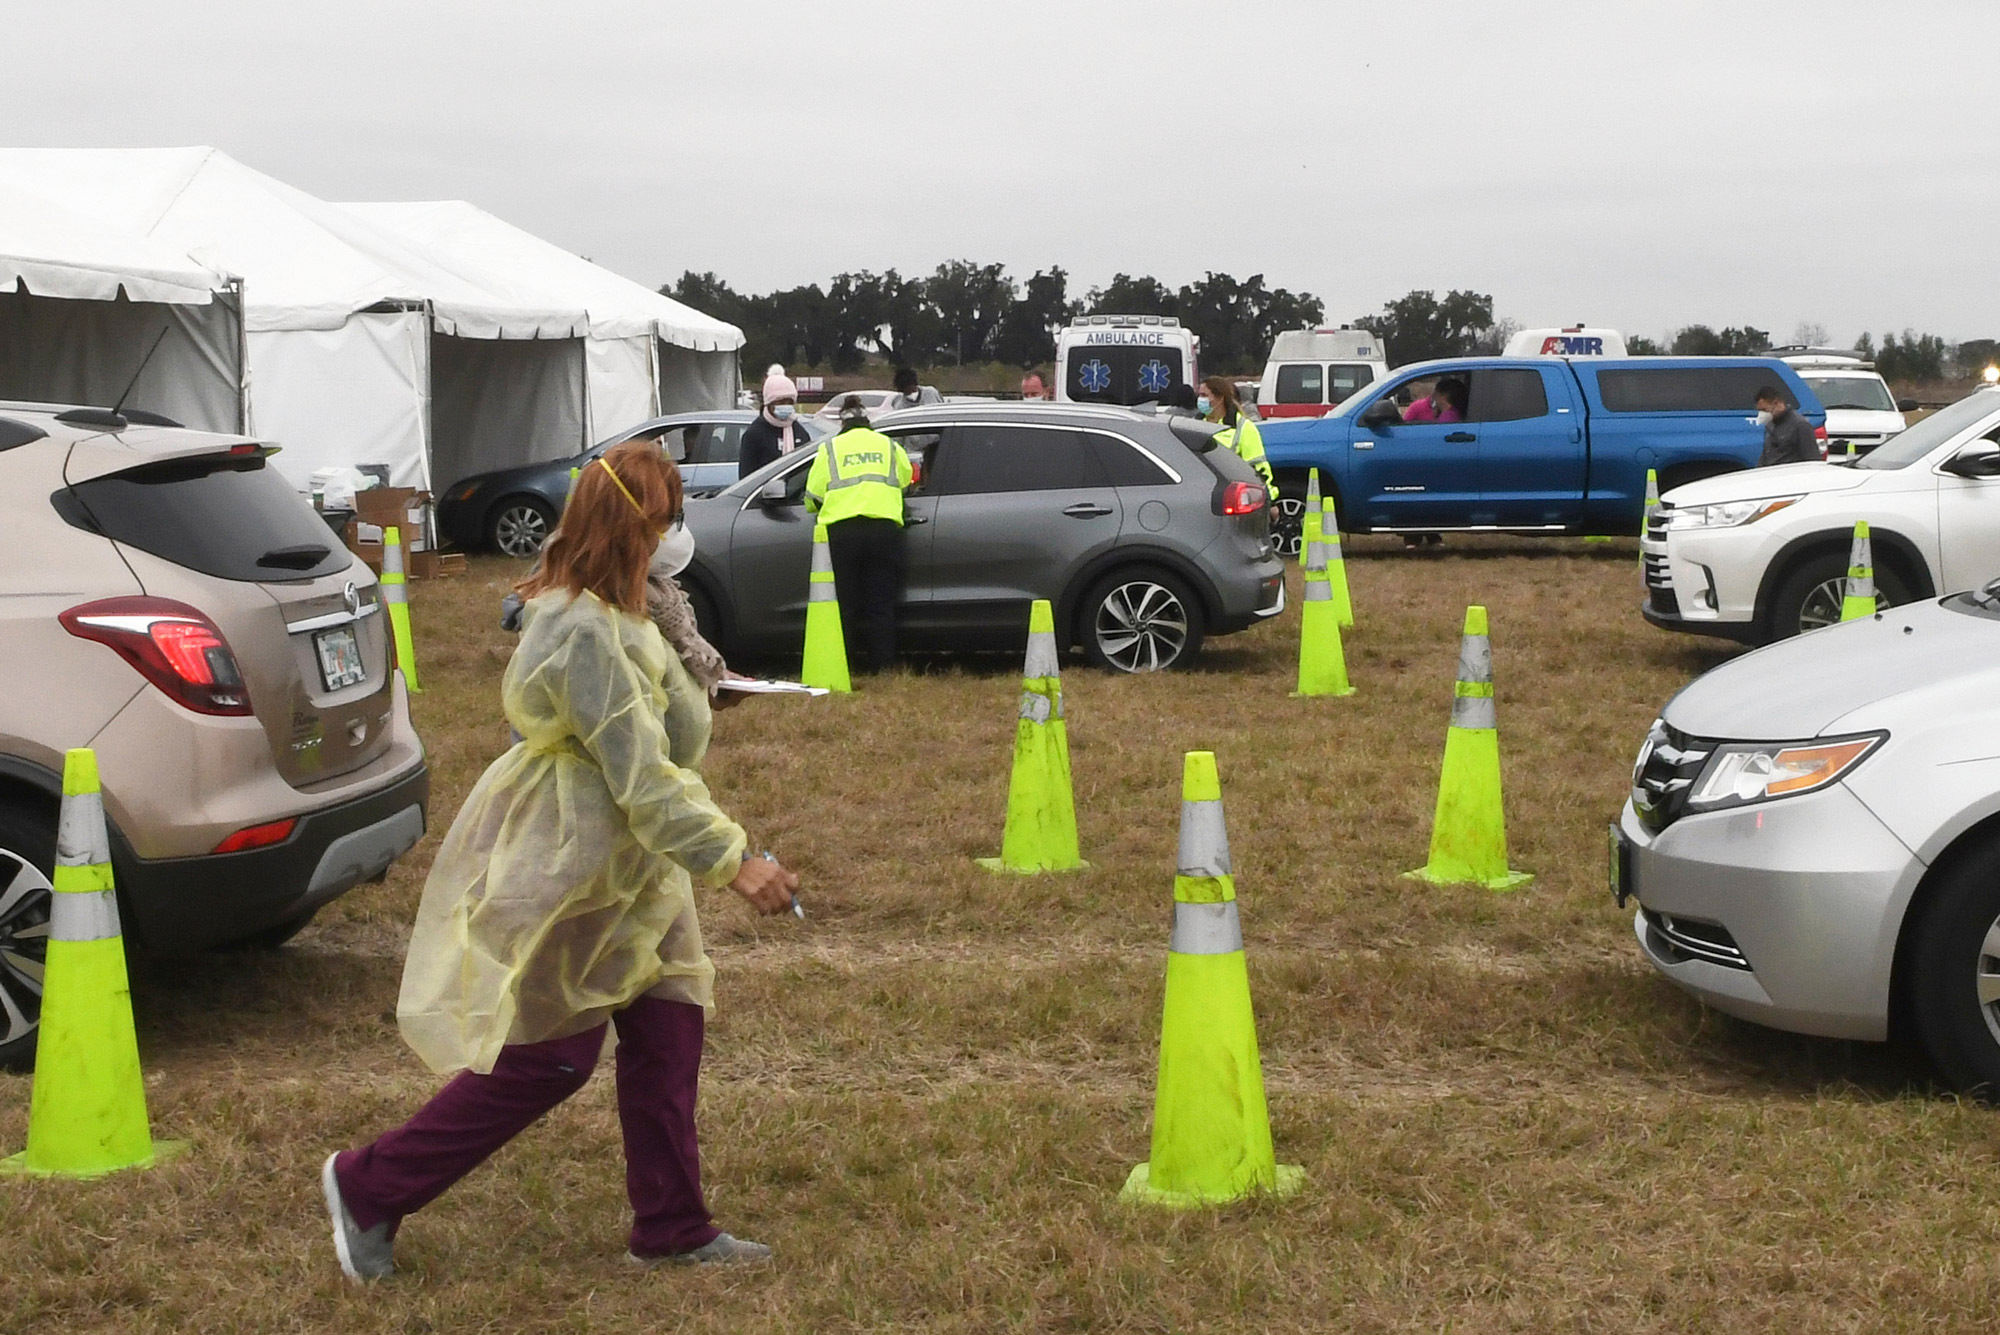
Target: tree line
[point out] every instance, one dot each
(966, 312)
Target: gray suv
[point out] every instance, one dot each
(1144, 534)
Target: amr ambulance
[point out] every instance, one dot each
(1124, 359)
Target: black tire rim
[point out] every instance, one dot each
(520, 530)
(25, 898)
(1141, 626)
(1288, 525)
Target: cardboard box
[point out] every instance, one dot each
(416, 564)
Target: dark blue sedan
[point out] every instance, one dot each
(513, 510)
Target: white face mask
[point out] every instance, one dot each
(783, 412)
(1763, 418)
(675, 551)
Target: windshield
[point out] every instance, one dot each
(1852, 391)
(1905, 449)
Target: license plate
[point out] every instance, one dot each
(339, 653)
(1622, 887)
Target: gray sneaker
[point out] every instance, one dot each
(722, 1250)
(365, 1254)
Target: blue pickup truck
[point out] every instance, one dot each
(1541, 444)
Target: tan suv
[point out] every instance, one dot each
(167, 599)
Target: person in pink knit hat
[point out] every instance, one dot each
(777, 431)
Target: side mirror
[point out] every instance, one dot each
(1380, 413)
(1980, 459)
(772, 492)
(1906, 405)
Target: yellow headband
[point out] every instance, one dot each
(619, 483)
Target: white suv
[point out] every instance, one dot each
(1762, 554)
(1860, 413)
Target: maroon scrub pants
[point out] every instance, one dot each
(659, 1061)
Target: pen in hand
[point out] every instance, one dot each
(798, 909)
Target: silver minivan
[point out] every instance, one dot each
(1145, 536)
(1813, 834)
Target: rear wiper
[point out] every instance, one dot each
(302, 557)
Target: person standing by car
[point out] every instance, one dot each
(856, 488)
(563, 899)
(776, 432)
(1218, 403)
(910, 393)
(1788, 437)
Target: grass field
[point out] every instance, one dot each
(927, 1095)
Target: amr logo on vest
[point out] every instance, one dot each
(864, 458)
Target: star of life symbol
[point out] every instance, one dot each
(1154, 377)
(1095, 376)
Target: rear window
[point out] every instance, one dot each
(231, 518)
(1508, 396)
(1689, 389)
(1300, 384)
(1342, 381)
(1013, 458)
(1119, 373)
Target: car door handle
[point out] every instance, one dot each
(1363, 445)
(1087, 510)
(1460, 438)
(910, 521)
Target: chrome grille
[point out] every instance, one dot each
(1659, 581)
(1663, 779)
(1682, 939)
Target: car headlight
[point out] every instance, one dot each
(1727, 514)
(1741, 773)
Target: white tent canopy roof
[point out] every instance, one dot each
(478, 247)
(60, 252)
(306, 264)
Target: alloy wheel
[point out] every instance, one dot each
(1288, 525)
(520, 530)
(1141, 626)
(25, 896)
(1987, 979)
(1822, 606)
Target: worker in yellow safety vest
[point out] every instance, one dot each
(1218, 403)
(856, 488)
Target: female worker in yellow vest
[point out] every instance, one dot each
(562, 899)
(1218, 403)
(856, 487)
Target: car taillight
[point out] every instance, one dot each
(1242, 498)
(173, 646)
(259, 836)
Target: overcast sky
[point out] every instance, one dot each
(1642, 165)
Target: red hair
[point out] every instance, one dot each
(606, 537)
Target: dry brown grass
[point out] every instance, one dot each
(927, 1095)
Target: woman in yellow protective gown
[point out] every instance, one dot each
(562, 899)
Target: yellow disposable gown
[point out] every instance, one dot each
(563, 890)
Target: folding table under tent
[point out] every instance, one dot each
(645, 354)
(90, 315)
(359, 351)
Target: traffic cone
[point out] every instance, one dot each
(396, 593)
(1859, 601)
(1211, 1128)
(1336, 564)
(1041, 807)
(1309, 521)
(1469, 832)
(1322, 662)
(826, 648)
(1646, 514)
(87, 1112)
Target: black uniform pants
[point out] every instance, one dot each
(867, 577)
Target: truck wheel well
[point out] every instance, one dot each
(1977, 836)
(1290, 478)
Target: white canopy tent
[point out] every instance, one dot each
(646, 353)
(359, 350)
(92, 315)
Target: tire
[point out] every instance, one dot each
(1288, 513)
(1809, 595)
(1140, 620)
(27, 860)
(1952, 1003)
(519, 525)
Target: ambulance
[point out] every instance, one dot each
(1574, 341)
(1310, 371)
(1124, 359)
